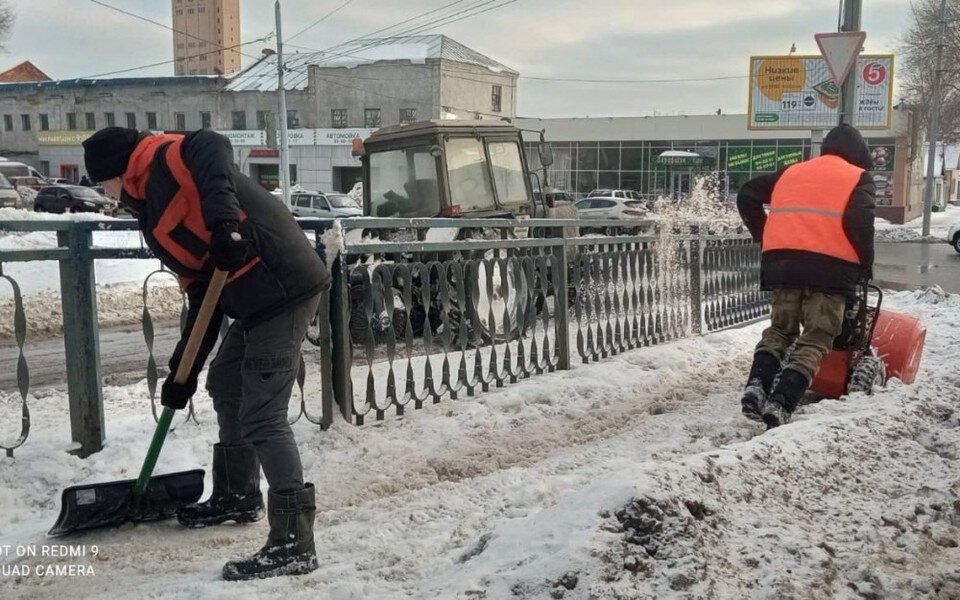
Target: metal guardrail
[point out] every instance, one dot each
(426, 309)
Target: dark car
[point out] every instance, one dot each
(72, 198)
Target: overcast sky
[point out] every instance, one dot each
(598, 39)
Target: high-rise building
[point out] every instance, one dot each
(206, 37)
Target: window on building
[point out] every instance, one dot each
(263, 119)
(293, 121)
(72, 121)
(180, 121)
(110, 119)
(44, 122)
(371, 118)
(152, 121)
(25, 121)
(132, 120)
(189, 11)
(408, 115)
(496, 97)
(202, 9)
(238, 119)
(205, 121)
(45, 168)
(91, 121)
(338, 117)
(204, 57)
(8, 122)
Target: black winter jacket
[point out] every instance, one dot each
(810, 270)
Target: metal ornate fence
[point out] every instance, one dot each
(424, 310)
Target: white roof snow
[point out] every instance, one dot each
(262, 76)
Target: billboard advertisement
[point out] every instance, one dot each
(798, 92)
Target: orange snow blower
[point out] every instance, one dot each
(873, 346)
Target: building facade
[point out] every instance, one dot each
(629, 153)
(330, 100)
(206, 37)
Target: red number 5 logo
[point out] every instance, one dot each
(874, 73)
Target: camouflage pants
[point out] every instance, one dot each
(821, 317)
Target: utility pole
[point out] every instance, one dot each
(282, 92)
(933, 130)
(851, 22)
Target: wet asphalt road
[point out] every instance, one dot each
(907, 266)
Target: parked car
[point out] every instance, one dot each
(72, 198)
(326, 206)
(953, 237)
(604, 193)
(11, 169)
(34, 183)
(60, 181)
(611, 208)
(8, 194)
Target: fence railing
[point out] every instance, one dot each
(424, 310)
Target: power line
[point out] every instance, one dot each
(167, 62)
(318, 21)
(679, 80)
(165, 26)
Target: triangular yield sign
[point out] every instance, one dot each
(840, 51)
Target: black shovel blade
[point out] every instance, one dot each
(107, 504)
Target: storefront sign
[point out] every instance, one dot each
(298, 137)
(264, 153)
(62, 138)
(798, 92)
(340, 137)
(248, 137)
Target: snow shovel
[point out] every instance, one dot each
(145, 498)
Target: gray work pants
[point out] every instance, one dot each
(250, 382)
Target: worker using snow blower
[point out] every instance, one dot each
(197, 212)
(817, 245)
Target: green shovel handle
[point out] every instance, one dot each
(197, 334)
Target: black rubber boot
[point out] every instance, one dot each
(785, 398)
(289, 549)
(762, 373)
(236, 490)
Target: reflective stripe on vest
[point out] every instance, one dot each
(807, 208)
(181, 229)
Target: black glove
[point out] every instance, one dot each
(176, 395)
(227, 249)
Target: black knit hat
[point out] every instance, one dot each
(107, 152)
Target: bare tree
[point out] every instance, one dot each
(917, 60)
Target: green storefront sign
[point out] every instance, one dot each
(764, 159)
(738, 159)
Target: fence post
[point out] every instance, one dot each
(78, 293)
(561, 291)
(342, 351)
(696, 291)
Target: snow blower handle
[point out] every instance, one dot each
(210, 300)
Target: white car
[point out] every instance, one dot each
(603, 193)
(324, 206)
(9, 197)
(611, 208)
(953, 237)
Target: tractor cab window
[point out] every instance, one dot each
(403, 183)
(470, 186)
(508, 172)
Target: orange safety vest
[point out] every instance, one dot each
(806, 211)
(180, 228)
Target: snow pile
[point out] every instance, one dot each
(27, 196)
(332, 240)
(635, 477)
(117, 304)
(940, 223)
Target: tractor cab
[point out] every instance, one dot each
(440, 168)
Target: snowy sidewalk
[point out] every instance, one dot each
(529, 491)
(940, 223)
